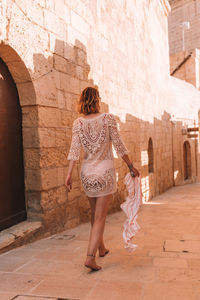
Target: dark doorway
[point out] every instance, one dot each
(186, 160)
(12, 199)
(150, 156)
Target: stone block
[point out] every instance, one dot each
(30, 116)
(53, 157)
(66, 118)
(75, 37)
(52, 177)
(32, 158)
(45, 87)
(74, 85)
(47, 137)
(56, 78)
(83, 85)
(30, 137)
(34, 11)
(33, 200)
(54, 24)
(60, 63)
(42, 62)
(60, 97)
(52, 198)
(27, 94)
(69, 52)
(65, 82)
(81, 57)
(33, 180)
(61, 140)
(72, 210)
(74, 194)
(63, 65)
(56, 45)
(19, 72)
(79, 23)
(20, 31)
(72, 223)
(49, 178)
(49, 117)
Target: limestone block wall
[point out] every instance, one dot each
(53, 50)
(184, 11)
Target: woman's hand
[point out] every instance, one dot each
(134, 172)
(68, 183)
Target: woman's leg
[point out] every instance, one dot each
(102, 204)
(102, 248)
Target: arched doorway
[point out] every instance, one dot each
(150, 156)
(12, 198)
(186, 160)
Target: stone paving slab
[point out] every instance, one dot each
(52, 268)
(182, 246)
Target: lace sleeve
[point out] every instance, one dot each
(74, 152)
(115, 136)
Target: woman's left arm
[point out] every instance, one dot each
(74, 154)
(68, 181)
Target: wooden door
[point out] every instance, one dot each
(187, 160)
(12, 199)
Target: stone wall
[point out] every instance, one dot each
(53, 50)
(186, 66)
(184, 11)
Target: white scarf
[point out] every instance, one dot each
(131, 207)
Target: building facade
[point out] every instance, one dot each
(52, 50)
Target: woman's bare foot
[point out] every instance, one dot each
(103, 251)
(91, 264)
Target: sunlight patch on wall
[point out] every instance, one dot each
(145, 188)
(176, 174)
(144, 158)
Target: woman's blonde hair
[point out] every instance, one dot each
(89, 101)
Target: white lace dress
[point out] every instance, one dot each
(96, 136)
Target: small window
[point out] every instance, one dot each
(150, 156)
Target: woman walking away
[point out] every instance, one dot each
(96, 132)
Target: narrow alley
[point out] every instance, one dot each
(166, 264)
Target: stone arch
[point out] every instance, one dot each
(30, 138)
(150, 156)
(186, 160)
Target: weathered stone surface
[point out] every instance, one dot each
(170, 262)
(182, 246)
(49, 117)
(27, 94)
(30, 116)
(30, 137)
(53, 23)
(33, 180)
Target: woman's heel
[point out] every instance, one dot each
(92, 264)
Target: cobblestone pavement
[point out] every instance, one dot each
(166, 264)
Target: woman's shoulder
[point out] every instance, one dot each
(110, 117)
(76, 123)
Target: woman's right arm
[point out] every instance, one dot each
(134, 172)
(120, 146)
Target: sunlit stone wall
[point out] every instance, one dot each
(56, 48)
